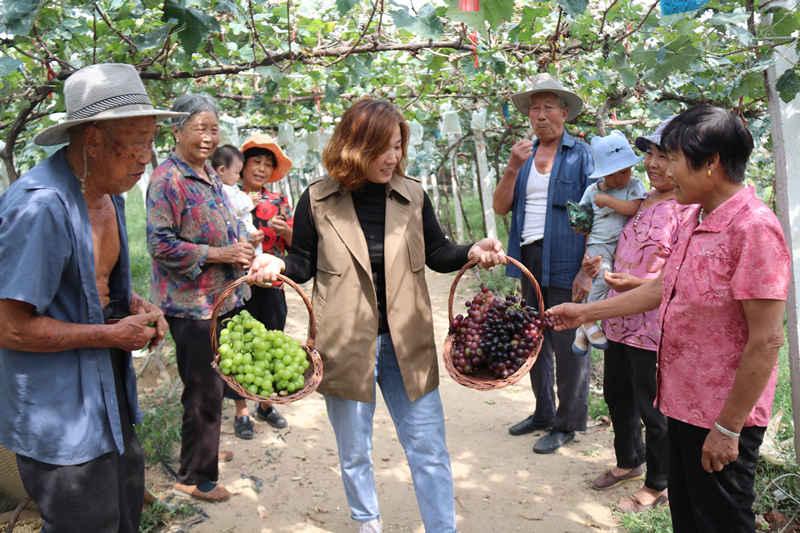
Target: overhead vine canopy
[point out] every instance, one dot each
(302, 62)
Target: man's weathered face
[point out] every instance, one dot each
(122, 149)
(547, 115)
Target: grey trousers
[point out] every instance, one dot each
(599, 289)
(556, 365)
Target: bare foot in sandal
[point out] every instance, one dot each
(643, 499)
(213, 492)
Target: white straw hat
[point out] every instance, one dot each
(106, 91)
(545, 83)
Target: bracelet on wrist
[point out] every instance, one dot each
(725, 431)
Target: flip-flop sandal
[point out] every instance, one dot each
(631, 504)
(608, 480)
(217, 494)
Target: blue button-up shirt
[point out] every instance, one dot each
(563, 248)
(59, 407)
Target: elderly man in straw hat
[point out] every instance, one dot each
(541, 176)
(67, 387)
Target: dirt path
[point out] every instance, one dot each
(288, 481)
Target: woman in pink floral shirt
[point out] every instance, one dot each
(629, 374)
(722, 299)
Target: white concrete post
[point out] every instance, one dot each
(485, 177)
(785, 119)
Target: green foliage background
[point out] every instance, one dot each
(303, 62)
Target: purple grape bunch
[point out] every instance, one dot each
(496, 335)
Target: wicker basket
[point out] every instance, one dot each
(484, 380)
(313, 374)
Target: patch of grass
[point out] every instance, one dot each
(160, 514)
(783, 395)
(160, 430)
(777, 488)
(136, 221)
(651, 521)
(597, 405)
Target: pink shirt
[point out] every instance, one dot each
(736, 253)
(643, 248)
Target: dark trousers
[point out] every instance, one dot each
(708, 503)
(201, 399)
(629, 387)
(268, 306)
(556, 364)
(103, 495)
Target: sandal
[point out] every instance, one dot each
(217, 494)
(631, 504)
(271, 416)
(608, 480)
(243, 427)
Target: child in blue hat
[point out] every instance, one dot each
(614, 198)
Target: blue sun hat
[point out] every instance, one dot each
(611, 154)
(643, 143)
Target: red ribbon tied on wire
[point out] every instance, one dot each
(473, 37)
(469, 5)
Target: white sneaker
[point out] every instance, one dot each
(371, 526)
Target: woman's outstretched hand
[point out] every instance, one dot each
(489, 252)
(567, 316)
(265, 269)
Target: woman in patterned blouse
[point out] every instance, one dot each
(264, 162)
(193, 238)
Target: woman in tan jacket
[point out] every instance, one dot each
(365, 233)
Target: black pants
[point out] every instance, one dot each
(556, 357)
(708, 503)
(629, 387)
(267, 305)
(103, 495)
(201, 399)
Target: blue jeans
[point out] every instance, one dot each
(420, 428)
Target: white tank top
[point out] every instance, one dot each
(535, 206)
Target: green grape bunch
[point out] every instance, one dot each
(264, 362)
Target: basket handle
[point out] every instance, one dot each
(232, 286)
(471, 263)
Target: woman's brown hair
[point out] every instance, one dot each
(363, 134)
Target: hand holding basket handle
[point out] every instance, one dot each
(487, 253)
(266, 269)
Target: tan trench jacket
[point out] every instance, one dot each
(344, 298)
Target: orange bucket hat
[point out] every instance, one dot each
(264, 141)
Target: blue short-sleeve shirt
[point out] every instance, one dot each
(563, 248)
(59, 407)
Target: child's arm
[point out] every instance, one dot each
(623, 207)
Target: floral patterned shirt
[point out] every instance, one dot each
(643, 248)
(269, 205)
(736, 253)
(186, 215)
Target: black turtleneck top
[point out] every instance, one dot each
(369, 201)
